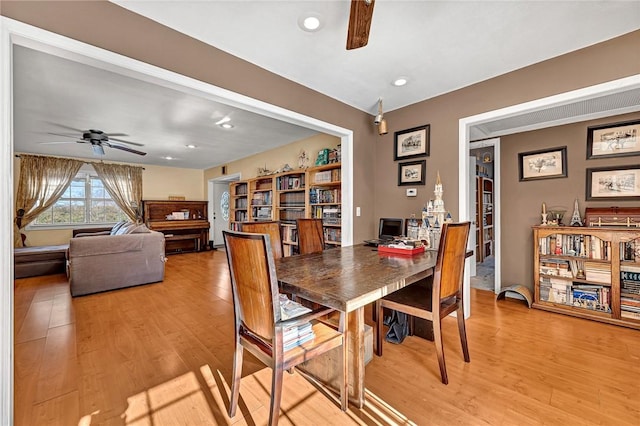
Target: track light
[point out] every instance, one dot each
(379, 120)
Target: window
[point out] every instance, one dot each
(86, 201)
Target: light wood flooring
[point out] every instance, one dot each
(161, 354)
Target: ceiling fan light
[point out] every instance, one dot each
(97, 149)
(382, 127)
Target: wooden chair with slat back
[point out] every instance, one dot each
(272, 228)
(259, 326)
(443, 297)
(310, 235)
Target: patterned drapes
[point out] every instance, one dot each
(42, 181)
(124, 184)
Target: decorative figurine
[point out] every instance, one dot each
(576, 220)
(303, 160)
(544, 214)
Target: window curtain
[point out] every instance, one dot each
(124, 184)
(42, 182)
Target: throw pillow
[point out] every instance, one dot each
(124, 229)
(117, 226)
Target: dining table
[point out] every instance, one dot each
(347, 279)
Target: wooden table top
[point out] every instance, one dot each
(348, 278)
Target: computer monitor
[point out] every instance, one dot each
(390, 227)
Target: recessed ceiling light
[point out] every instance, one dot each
(191, 146)
(168, 157)
(227, 125)
(223, 120)
(400, 81)
(310, 22)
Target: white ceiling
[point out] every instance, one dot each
(438, 46)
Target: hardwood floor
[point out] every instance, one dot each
(161, 354)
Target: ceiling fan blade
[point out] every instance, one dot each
(359, 23)
(55, 143)
(117, 134)
(125, 148)
(65, 127)
(123, 141)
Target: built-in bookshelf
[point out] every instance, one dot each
(292, 204)
(484, 218)
(591, 273)
(261, 198)
(325, 200)
(238, 204)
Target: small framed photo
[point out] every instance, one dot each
(411, 143)
(613, 140)
(412, 173)
(543, 164)
(619, 183)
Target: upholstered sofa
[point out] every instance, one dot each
(125, 256)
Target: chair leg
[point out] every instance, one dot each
(236, 375)
(374, 312)
(437, 339)
(463, 332)
(379, 321)
(276, 395)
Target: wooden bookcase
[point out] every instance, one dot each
(261, 198)
(292, 203)
(287, 196)
(591, 273)
(484, 218)
(325, 200)
(238, 203)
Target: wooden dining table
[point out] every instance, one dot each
(347, 279)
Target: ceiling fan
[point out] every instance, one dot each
(98, 140)
(359, 23)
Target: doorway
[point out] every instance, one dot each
(486, 181)
(218, 195)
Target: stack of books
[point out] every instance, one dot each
(630, 292)
(295, 335)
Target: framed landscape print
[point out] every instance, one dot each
(412, 173)
(619, 183)
(411, 143)
(543, 164)
(613, 140)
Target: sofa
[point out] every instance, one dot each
(127, 255)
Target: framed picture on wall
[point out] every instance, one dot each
(411, 143)
(543, 164)
(619, 183)
(412, 173)
(613, 140)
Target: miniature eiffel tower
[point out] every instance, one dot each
(576, 220)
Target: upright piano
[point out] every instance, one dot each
(183, 223)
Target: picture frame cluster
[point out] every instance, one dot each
(409, 144)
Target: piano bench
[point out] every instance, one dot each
(183, 237)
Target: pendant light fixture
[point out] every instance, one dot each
(380, 121)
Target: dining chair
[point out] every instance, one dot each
(443, 297)
(310, 235)
(272, 228)
(259, 326)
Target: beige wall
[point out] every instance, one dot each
(522, 201)
(276, 158)
(157, 184)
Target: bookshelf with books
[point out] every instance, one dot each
(325, 200)
(291, 204)
(238, 204)
(484, 218)
(261, 198)
(592, 273)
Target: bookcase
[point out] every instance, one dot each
(291, 204)
(325, 197)
(591, 273)
(484, 218)
(261, 198)
(238, 204)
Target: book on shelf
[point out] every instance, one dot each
(298, 334)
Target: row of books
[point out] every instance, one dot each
(261, 199)
(593, 297)
(327, 176)
(587, 246)
(262, 213)
(241, 189)
(284, 183)
(630, 280)
(570, 268)
(240, 216)
(240, 203)
(630, 250)
(292, 199)
(333, 234)
(325, 195)
(558, 267)
(295, 335)
(262, 184)
(291, 215)
(290, 234)
(326, 213)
